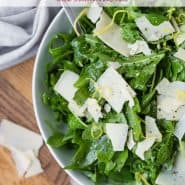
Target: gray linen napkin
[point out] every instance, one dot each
(21, 30)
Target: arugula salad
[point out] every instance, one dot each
(117, 83)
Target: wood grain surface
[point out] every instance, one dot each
(16, 105)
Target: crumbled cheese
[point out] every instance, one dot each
(152, 32)
(35, 167)
(180, 54)
(112, 37)
(22, 162)
(130, 143)
(91, 107)
(115, 89)
(76, 109)
(65, 85)
(94, 12)
(94, 109)
(107, 108)
(140, 46)
(117, 132)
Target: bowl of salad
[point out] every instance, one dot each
(109, 94)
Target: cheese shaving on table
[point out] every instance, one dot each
(12, 135)
(24, 146)
(152, 32)
(180, 37)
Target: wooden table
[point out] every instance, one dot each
(16, 105)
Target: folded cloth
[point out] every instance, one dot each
(21, 30)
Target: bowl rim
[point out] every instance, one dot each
(34, 101)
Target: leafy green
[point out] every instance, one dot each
(75, 122)
(135, 122)
(113, 117)
(89, 57)
(155, 18)
(130, 32)
(56, 140)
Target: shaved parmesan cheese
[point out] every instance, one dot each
(144, 146)
(174, 115)
(171, 100)
(130, 143)
(35, 167)
(174, 176)
(180, 128)
(115, 89)
(151, 32)
(94, 109)
(114, 65)
(152, 130)
(22, 162)
(180, 37)
(117, 134)
(13, 135)
(152, 134)
(94, 12)
(180, 54)
(140, 46)
(162, 86)
(112, 37)
(65, 85)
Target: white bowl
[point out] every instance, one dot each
(61, 23)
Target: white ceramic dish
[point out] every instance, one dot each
(61, 23)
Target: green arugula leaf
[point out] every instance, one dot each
(135, 123)
(56, 140)
(130, 33)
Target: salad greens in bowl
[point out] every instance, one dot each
(109, 95)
